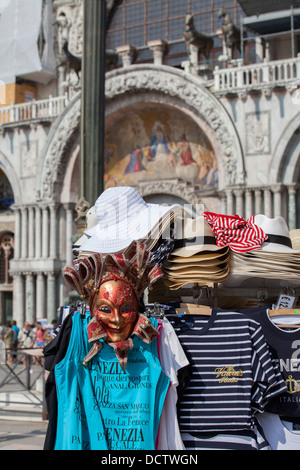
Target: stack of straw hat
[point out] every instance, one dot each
(276, 259)
(196, 258)
(90, 221)
(121, 216)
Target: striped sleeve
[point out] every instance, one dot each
(268, 381)
(234, 231)
(252, 439)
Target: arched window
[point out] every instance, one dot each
(6, 254)
(6, 193)
(135, 22)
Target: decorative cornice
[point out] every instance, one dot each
(173, 86)
(174, 187)
(170, 82)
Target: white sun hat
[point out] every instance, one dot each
(123, 217)
(275, 260)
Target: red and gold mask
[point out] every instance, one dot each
(112, 285)
(116, 308)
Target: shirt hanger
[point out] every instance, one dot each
(154, 310)
(193, 309)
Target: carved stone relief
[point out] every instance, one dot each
(61, 139)
(29, 153)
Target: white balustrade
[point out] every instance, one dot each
(36, 109)
(253, 76)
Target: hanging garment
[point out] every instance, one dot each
(253, 439)
(284, 347)
(172, 359)
(232, 372)
(54, 352)
(101, 406)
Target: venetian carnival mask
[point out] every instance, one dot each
(116, 308)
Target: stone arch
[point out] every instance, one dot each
(9, 171)
(284, 166)
(145, 83)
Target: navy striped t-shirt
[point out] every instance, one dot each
(232, 374)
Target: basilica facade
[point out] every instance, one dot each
(213, 129)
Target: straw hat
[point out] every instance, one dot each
(199, 278)
(191, 263)
(201, 256)
(124, 217)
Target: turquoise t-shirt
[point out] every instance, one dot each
(102, 407)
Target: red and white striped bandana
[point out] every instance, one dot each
(234, 231)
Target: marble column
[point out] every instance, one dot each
(45, 233)
(41, 296)
(127, 54)
(248, 203)
(229, 202)
(17, 238)
(158, 48)
(223, 204)
(51, 297)
(18, 299)
(277, 203)
(258, 206)
(239, 202)
(31, 233)
(268, 209)
(53, 231)
(69, 208)
(24, 232)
